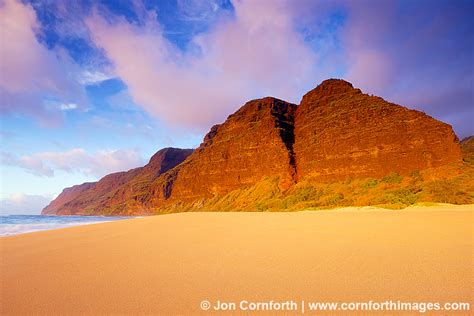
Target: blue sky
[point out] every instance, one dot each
(92, 87)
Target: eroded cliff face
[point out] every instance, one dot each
(337, 132)
(117, 192)
(67, 195)
(341, 132)
(253, 143)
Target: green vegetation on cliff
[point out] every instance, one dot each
(448, 184)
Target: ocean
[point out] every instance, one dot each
(19, 224)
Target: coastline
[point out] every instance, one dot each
(169, 264)
(22, 224)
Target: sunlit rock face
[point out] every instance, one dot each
(253, 143)
(341, 132)
(336, 133)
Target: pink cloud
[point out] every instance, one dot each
(29, 71)
(257, 53)
(369, 65)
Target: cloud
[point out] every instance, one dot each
(28, 163)
(78, 160)
(197, 10)
(67, 106)
(92, 77)
(30, 73)
(255, 53)
(418, 54)
(24, 204)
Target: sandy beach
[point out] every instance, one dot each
(169, 264)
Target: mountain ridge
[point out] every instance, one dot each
(336, 132)
(116, 186)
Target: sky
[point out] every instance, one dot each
(92, 87)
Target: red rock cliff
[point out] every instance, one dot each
(67, 195)
(335, 133)
(341, 132)
(255, 142)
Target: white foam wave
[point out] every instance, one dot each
(14, 229)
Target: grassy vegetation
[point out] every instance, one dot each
(448, 184)
(392, 178)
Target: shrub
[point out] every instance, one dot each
(402, 196)
(302, 195)
(261, 207)
(392, 178)
(306, 194)
(335, 199)
(445, 191)
(370, 183)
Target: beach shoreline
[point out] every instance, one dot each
(171, 264)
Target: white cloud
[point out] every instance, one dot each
(67, 106)
(22, 204)
(197, 10)
(92, 77)
(98, 164)
(29, 163)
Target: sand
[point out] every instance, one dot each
(168, 264)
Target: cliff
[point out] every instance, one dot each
(116, 191)
(341, 132)
(253, 143)
(67, 195)
(270, 145)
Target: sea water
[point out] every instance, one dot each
(19, 224)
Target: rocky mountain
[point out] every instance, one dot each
(253, 143)
(341, 132)
(337, 132)
(116, 190)
(66, 196)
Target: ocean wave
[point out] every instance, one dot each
(20, 224)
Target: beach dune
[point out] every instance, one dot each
(169, 264)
